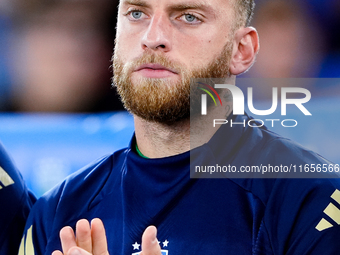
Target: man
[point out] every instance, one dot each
(160, 46)
(16, 202)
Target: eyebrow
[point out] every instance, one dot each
(190, 5)
(140, 3)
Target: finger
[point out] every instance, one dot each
(57, 253)
(78, 251)
(99, 242)
(150, 244)
(67, 238)
(83, 235)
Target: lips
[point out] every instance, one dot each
(155, 67)
(155, 71)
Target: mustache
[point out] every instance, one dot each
(155, 58)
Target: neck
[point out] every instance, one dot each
(158, 140)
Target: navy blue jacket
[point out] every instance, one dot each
(198, 216)
(16, 202)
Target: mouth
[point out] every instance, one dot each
(155, 71)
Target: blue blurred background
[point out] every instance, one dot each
(58, 111)
(48, 147)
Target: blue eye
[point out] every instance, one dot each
(136, 14)
(190, 17)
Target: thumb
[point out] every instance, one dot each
(150, 244)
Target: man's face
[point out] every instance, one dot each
(161, 45)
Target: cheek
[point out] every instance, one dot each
(128, 45)
(201, 45)
(123, 48)
(123, 37)
(200, 52)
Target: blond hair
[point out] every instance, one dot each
(244, 12)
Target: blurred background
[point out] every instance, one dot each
(59, 112)
(298, 39)
(55, 55)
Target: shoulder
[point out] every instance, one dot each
(302, 206)
(9, 174)
(302, 216)
(280, 168)
(73, 197)
(12, 185)
(83, 186)
(280, 147)
(263, 147)
(16, 201)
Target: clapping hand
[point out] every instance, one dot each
(91, 240)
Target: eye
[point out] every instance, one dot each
(136, 14)
(190, 19)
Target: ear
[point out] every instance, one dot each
(246, 46)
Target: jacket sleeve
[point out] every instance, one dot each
(303, 218)
(39, 225)
(16, 201)
(62, 206)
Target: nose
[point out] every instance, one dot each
(157, 37)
